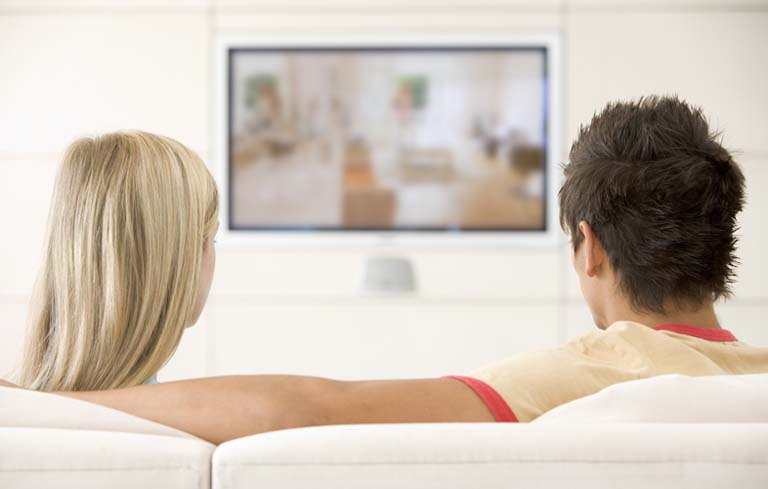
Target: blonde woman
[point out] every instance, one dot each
(128, 263)
(129, 259)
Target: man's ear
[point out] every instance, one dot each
(594, 253)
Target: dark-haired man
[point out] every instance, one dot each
(650, 200)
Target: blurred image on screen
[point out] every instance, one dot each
(387, 139)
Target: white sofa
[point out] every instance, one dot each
(670, 431)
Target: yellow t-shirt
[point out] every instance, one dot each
(526, 386)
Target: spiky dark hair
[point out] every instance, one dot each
(662, 195)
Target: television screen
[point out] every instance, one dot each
(387, 138)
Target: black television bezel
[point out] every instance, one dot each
(547, 44)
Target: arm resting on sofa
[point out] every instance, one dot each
(223, 408)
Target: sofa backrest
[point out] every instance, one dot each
(673, 399)
(32, 409)
(48, 440)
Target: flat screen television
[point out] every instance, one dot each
(422, 139)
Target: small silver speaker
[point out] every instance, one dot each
(388, 274)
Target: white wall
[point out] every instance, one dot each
(74, 67)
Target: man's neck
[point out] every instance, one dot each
(702, 316)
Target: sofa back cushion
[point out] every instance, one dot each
(674, 399)
(32, 409)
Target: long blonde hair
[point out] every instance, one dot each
(130, 215)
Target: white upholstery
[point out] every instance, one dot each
(672, 398)
(49, 441)
(486, 455)
(665, 432)
(38, 458)
(20, 407)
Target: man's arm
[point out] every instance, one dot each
(222, 408)
(3, 383)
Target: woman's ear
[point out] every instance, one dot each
(594, 253)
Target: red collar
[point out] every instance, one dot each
(699, 332)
